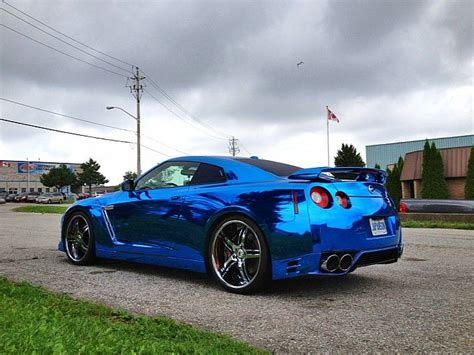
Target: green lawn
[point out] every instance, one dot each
(41, 209)
(33, 320)
(437, 224)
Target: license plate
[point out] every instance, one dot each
(378, 227)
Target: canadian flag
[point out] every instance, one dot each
(332, 116)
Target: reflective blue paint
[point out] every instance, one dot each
(170, 226)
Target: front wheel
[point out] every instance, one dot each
(79, 239)
(238, 255)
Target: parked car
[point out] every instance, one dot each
(2, 200)
(245, 220)
(436, 206)
(21, 197)
(3, 194)
(82, 196)
(11, 197)
(50, 197)
(32, 196)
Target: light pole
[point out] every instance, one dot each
(139, 169)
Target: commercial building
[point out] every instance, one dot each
(455, 152)
(387, 154)
(24, 176)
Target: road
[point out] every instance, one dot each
(422, 303)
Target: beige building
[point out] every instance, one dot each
(455, 161)
(24, 176)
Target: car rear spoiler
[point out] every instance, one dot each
(330, 174)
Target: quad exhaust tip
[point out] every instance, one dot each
(345, 262)
(333, 263)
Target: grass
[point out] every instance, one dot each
(33, 320)
(437, 224)
(41, 209)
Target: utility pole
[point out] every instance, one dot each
(136, 88)
(234, 146)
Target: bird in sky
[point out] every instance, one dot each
(298, 64)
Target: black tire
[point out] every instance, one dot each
(79, 240)
(238, 256)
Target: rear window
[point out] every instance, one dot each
(276, 168)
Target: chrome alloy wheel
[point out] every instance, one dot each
(236, 254)
(77, 239)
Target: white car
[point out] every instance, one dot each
(50, 197)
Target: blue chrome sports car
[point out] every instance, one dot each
(244, 220)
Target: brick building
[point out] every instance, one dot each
(455, 161)
(24, 176)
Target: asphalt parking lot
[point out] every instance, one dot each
(422, 303)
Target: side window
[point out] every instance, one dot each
(208, 174)
(171, 174)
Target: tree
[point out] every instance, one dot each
(348, 156)
(433, 184)
(58, 177)
(129, 175)
(90, 174)
(377, 166)
(469, 188)
(393, 184)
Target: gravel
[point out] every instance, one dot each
(422, 303)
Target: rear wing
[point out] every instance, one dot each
(340, 174)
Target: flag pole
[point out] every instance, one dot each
(327, 126)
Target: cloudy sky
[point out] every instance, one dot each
(390, 70)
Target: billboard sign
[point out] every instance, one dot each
(38, 168)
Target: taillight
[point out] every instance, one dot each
(343, 199)
(403, 207)
(320, 197)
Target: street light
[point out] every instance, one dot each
(139, 170)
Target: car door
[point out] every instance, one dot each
(148, 217)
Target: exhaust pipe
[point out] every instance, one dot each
(346, 262)
(331, 263)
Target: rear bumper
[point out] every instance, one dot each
(310, 264)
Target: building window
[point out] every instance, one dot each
(2, 189)
(32, 189)
(23, 189)
(47, 189)
(40, 189)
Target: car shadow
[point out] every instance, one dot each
(304, 286)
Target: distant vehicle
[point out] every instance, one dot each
(50, 197)
(83, 196)
(21, 197)
(2, 200)
(436, 206)
(244, 220)
(98, 194)
(3, 194)
(11, 197)
(32, 196)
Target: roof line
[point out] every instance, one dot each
(421, 150)
(420, 140)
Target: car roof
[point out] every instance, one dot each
(236, 171)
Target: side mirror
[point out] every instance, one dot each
(128, 185)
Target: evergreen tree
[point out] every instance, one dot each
(348, 156)
(393, 184)
(58, 177)
(90, 174)
(469, 188)
(129, 175)
(377, 166)
(433, 183)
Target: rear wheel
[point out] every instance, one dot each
(238, 255)
(79, 239)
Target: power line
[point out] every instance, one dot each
(65, 35)
(241, 145)
(66, 116)
(180, 107)
(180, 117)
(65, 132)
(156, 151)
(66, 54)
(65, 42)
(164, 144)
